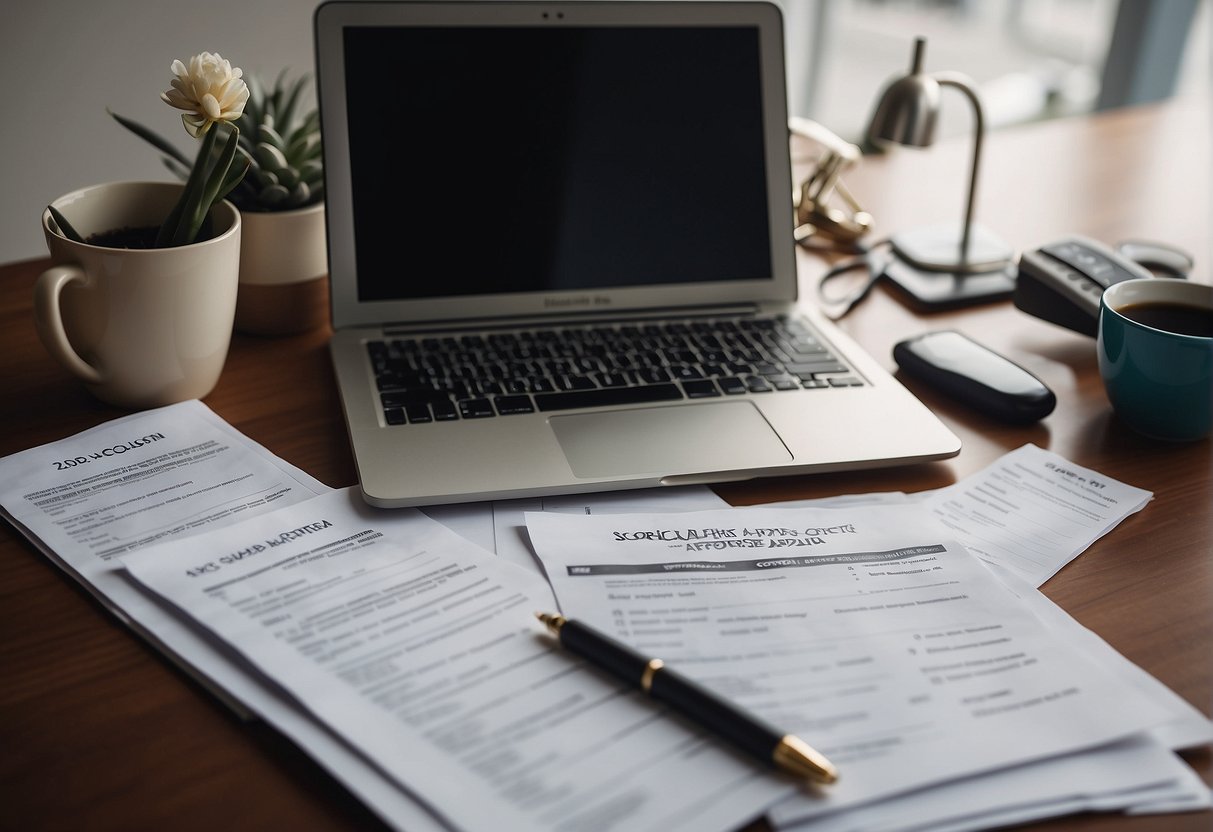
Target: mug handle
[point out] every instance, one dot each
(49, 321)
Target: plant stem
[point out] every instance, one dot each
(196, 213)
(65, 227)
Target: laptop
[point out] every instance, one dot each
(561, 256)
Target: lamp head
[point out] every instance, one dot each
(908, 108)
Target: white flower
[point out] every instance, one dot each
(209, 90)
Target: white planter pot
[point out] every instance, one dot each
(141, 327)
(283, 272)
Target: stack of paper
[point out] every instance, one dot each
(901, 634)
(165, 475)
(418, 648)
(898, 655)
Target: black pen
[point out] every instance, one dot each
(784, 751)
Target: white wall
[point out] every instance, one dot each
(64, 61)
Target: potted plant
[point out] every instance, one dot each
(283, 258)
(141, 295)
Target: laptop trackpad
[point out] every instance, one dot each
(667, 441)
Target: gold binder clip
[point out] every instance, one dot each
(815, 214)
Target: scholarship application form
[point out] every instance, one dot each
(866, 632)
(421, 650)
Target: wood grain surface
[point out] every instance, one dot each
(98, 731)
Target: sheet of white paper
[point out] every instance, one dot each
(1136, 776)
(162, 475)
(1201, 798)
(471, 521)
(509, 516)
(1031, 511)
(1038, 791)
(1030, 813)
(422, 650)
(887, 647)
(1184, 726)
(1111, 778)
(157, 475)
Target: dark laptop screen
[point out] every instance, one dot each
(488, 160)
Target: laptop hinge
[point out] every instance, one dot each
(582, 318)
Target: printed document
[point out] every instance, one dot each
(157, 475)
(1124, 776)
(164, 475)
(422, 651)
(1137, 775)
(1030, 511)
(865, 631)
(509, 516)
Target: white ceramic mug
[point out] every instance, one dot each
(141, 327)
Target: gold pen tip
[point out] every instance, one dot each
(800, 759)
(553, 621)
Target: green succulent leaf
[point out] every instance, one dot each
(311, 172)
(151, 137)
(283, 145)
(274, 195)
(269, 157)
(195, 214)
(275, 99)
(178, 170)
(171, 230)
(235, 177)
(266, 134)
(297, 135)
(307, 147)
(287, 107)
(253, 109)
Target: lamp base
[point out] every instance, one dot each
(937, 248)
(936, 290)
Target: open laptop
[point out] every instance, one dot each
(561, 253)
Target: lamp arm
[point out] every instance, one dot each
(966, 86)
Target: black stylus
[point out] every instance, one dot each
(784, 751)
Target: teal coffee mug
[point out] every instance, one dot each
(1155, 348)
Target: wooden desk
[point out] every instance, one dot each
(98, 731)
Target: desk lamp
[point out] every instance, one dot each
(940, 265)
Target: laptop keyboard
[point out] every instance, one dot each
(503, 373)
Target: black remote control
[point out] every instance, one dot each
(976, 375)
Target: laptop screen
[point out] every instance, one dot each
(490, 160)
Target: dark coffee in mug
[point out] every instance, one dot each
(1179, 318)
(1155, 350)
